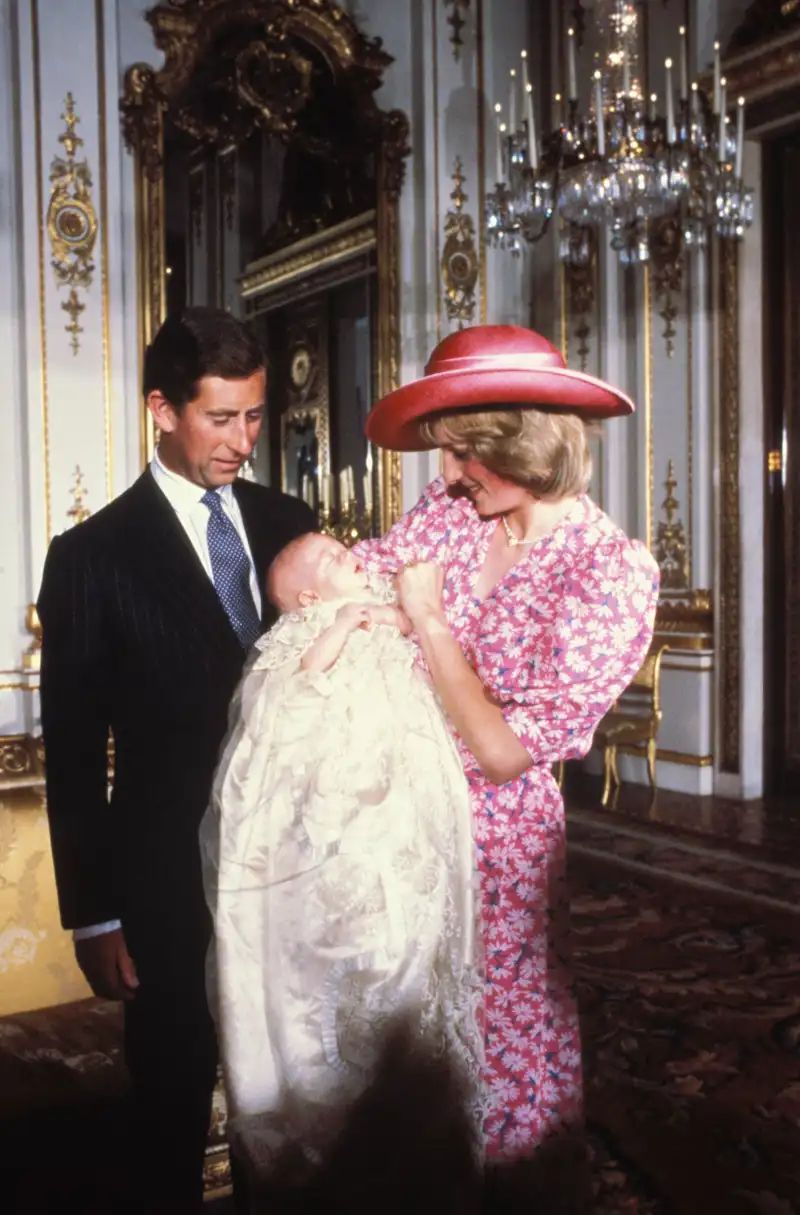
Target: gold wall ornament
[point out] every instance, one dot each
(730, 557)
(580, 279)
(671, 549)
(32, 658)
(459, 256)
(283, 33)
(456, 20)
(686, 619)
(71, 221)
(666, 258)
(79, 511)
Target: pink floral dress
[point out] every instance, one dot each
(556, 641)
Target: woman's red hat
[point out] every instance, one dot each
(486, 366)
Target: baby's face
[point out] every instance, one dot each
(331, 571)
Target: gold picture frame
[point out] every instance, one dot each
(185, 30)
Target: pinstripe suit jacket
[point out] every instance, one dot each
(135, 640)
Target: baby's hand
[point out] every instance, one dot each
(354, 616)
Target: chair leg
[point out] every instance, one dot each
(614, 768)
(651, 762)
(608, 762)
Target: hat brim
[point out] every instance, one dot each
(394, 422)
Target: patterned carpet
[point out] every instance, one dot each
(690, 1002)
(688, 967)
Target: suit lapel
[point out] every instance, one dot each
(164, 556)
(260, 547)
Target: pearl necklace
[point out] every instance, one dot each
(513, 542)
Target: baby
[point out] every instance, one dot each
(338, 861)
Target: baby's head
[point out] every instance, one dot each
(313, 569)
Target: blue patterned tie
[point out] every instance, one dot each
(230, 567)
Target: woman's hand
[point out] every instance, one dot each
(419, 591)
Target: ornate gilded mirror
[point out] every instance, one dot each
(268, 182)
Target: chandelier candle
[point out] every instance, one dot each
(598, 110)
(683, 66)
(498, 109)
(717, 79)
(651, 115)
(533, 155)
(572, 76)
(739, 138)
(512, 101)
(670, 103)
(723, 122)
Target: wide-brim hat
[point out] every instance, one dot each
(489, 366)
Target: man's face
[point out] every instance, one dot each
(209, 440)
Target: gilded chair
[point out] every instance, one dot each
(633, 721)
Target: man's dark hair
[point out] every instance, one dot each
(199, 342)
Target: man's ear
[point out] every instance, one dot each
(306, 598)
(165, 415)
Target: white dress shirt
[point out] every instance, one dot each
(186, 499)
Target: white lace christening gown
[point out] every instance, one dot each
(338, 859)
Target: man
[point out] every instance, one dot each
(148, 610)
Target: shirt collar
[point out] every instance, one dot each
(183, 495)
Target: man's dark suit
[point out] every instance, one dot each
(135, 640)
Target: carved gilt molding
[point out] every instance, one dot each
(671, 550)
(72, 222)
(666, 256)
(730, 536)
(266, 86)
(581, 290)
(456, 20)
(460, 265)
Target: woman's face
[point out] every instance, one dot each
(491, 495)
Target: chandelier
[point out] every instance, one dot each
(621, 163)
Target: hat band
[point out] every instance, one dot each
(512, 361)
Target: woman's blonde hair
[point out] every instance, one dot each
(544, 450)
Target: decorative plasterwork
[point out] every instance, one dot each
(730, 556)
(71, 222)
(666, 256)
(460, 264)
(79, 512)
(580, 279)
(671, 551)
(456, 21)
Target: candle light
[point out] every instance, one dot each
(498, 109)
(368, 493)
(684, 67)
(695, 99)
(512, 102)
(717, 80)
(533, 154)
(343, 489)
(670, 103)
(740, 137)
(351, 484)
(572, 75)
(598, 114)
(722, 147)
(524, 57)
(327, 493)
(557, 120)
(652, 114)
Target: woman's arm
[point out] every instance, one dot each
(551, 690)
(479, 722)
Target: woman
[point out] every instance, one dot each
(533, 611)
